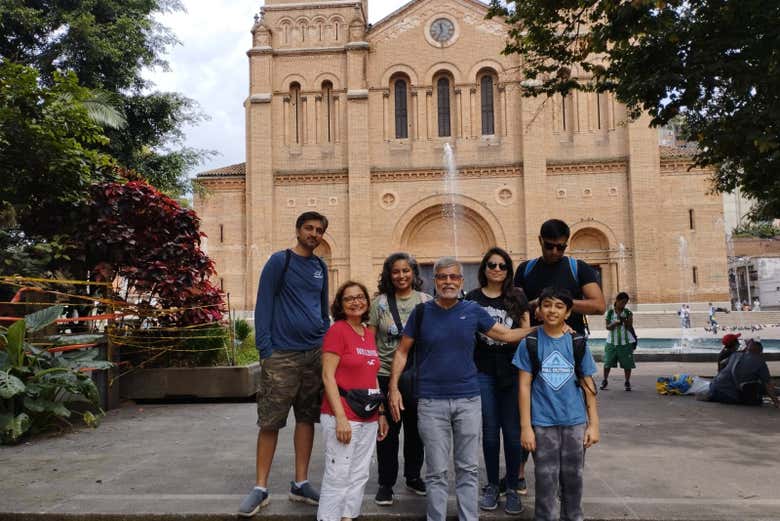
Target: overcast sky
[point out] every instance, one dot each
(211, 67)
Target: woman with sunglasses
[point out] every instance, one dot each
(399, 293)
(498, 380)
(350, 430)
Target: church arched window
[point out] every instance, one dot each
(486, 85)
(401, 109)
(295, 112)
(443, 106)
(327, 109)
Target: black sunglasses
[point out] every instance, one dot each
(554, 246)
(493, 265)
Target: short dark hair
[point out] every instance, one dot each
(755, 347)
(564, 295)
(622, 296)
(311, 216)
(385, 285)
(554, 229)
(337, 307)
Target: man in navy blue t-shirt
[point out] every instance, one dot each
(449, 407)
(291, 318)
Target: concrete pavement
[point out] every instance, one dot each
(661, 458)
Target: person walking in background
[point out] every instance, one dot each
(621, 341)
(291, 318)
(399, 293)
(353, 417)
(498, 380)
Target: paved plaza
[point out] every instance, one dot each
(661, 458)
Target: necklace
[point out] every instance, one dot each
(361, 332)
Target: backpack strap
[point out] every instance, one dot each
(574, 269)
(532, 344)
(529, 266)
(287, 256)
(393, 305)
(578, 345)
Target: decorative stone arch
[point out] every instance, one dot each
(327, 76)
(339, 26)
(395, 70)
(595, 243)
(442, 67)
(293, 78)
(320, 23)
(286, 26)
(428, 212)
(480, 66)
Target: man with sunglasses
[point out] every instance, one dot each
(554, 269)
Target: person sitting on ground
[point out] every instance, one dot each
(730, 346)
(556, 424)
(621, 341)
(744, 380)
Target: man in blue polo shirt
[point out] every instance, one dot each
(449, 407)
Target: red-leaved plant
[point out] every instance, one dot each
(153, 244)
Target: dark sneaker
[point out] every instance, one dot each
(627, 387)
(417, 486)
(489, 499)
(384, 496)
(603, 385)
(514, 505)
(305, 493)
(502, 487)
(256, 500)
(522, 487)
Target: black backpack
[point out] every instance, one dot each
(578, 345)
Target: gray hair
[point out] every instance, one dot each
(447, 262)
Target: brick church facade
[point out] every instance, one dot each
(352, 120)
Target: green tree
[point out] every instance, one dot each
(714, 62)
(50, 155)
(107, 44)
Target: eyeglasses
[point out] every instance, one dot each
(354, 298)
(492, 265)
(554, 246)
(450, 276)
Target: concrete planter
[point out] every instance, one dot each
(190, 382)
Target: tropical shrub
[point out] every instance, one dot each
(41, 390)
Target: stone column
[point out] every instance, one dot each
(259, 169)
(359, 164)
(536, 190)
(644, 183)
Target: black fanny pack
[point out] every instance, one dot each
(363, 402)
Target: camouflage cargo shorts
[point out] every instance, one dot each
(290, 379)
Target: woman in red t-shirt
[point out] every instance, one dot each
(349, 361)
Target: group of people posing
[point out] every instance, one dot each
(509, 360)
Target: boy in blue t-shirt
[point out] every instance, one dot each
(556, 423)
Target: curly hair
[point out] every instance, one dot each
(385, 285)
(337, 307)
(514, 298)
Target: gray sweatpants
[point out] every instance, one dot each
(559, 461)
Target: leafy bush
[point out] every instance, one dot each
(764, 230)
(242, 329)
(247, 352)
(38, 389)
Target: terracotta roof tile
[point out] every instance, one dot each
(237, 170)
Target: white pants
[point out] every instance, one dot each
(346, 469)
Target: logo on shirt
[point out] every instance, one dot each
(318, 274)
(556, 370)
(371, 362)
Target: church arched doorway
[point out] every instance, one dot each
(592, 246)
(448, 230)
